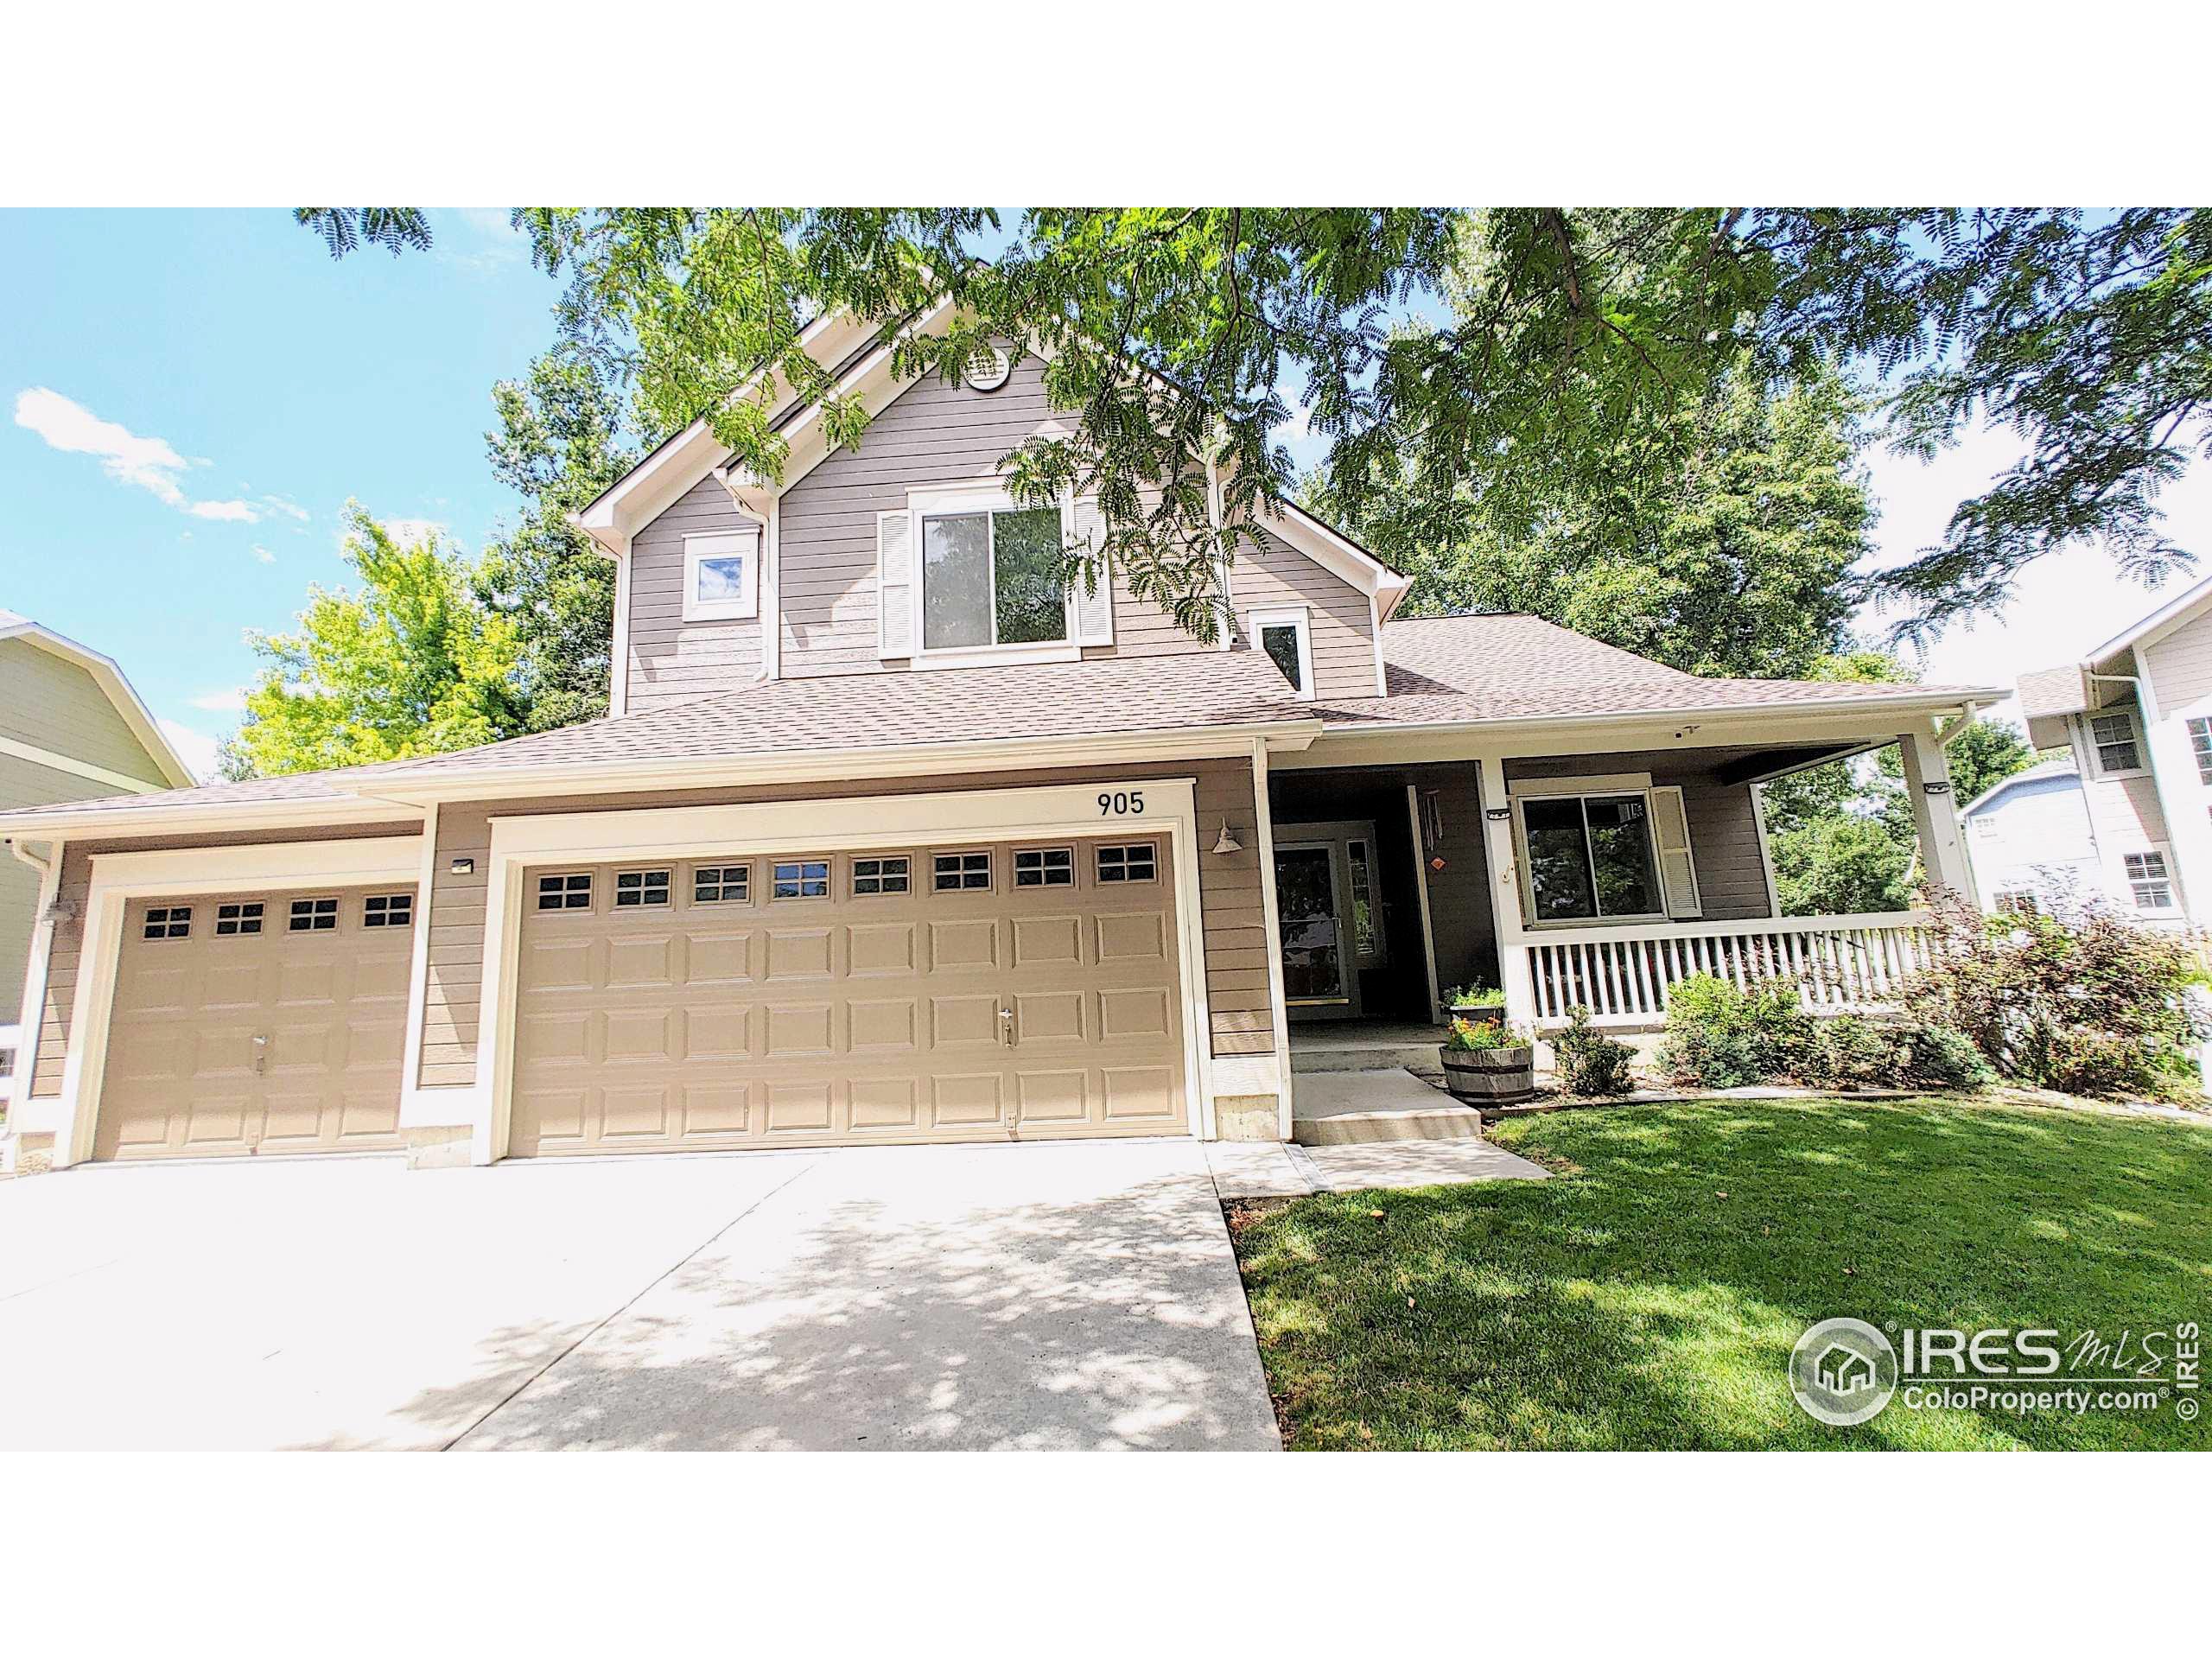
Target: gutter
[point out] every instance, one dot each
(1979, 698)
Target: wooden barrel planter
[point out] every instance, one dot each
(1501, 1077)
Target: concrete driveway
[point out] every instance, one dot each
(1044, 1296)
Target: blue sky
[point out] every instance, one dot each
(194, 396)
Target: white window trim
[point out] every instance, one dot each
(1553, 789)
(1300, 619)
(943, 503)
(2095, 753)
(723, 544)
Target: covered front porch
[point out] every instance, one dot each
(1571, 875)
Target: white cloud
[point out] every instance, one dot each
(232, 701)
(489, 244)
(149, 464)
(263, 554)
(289, 509)
(196, 749)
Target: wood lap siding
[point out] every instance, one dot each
(56, 705)
(1342, 635)
(1230, 903)
(671, 660)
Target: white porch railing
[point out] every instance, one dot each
(1623, 976)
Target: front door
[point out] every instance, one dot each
(1320, 981)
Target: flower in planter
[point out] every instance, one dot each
(1471, 1036)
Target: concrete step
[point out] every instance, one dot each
(1341, 1107)
(1373, 1057)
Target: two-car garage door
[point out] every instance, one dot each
(981, 992)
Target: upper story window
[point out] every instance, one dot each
(1590, 856)
(2119, 746)
(1285, 634)
(992, 577)
(721, 576)
(2148, 881)
(2200, 740)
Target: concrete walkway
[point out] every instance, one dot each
(1041, 1296)
(1266, 1169)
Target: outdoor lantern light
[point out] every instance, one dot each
(1226, 843)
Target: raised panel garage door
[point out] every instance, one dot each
(977, 993)
(239, 1027)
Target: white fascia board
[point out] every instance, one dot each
(108, 675)
(1339, 555)
(2163, 620)
(154, 819)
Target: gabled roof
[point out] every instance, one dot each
(2062, 766)
(110, 678)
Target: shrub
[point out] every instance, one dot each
(1469, 1036)
(1940, 1057)
(1719, 1037)
(1590, 1063)
(2089, 1003)
(1475, 996)
(1847, 1051)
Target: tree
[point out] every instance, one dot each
(1172, 332)
(559, 444)
(411, 664)
(1738, 562)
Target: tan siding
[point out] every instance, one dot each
(2180, 666)
(1341, 624)
(1460, 919)
(62, 964)
(23, 784)
(1228, 896)
(52, 704)
(671, 660)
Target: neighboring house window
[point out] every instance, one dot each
(1589, 856)
(2114, 739)
(314, 915)
(874, 876)
(231, 920)
(721, 576)
(722, 884)
(1131, 862)
(1287, 635)
(633, 888)
(962, 871)
(1045, 866)
(993, 578)
(1985, 825)
(2200, 740)
(388, 910)
(169, 922)
(2016, 904)
(2147, 880)
(564, 892)
(803, 878)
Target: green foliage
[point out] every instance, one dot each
(344, 230)
(1720, 1037)
(1843, 863)
(1588, 1061)
(411, 664)
(1478, 1036)
(1474, 997)
(559, 444)
(2085, 335)
(2091, 1004)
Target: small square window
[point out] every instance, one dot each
(231, 920)
(388, 910)
(1045, 866)
(564, 892)
(962, 872)
(169, 922)
(636, 887)
(722, 884)
(1131, 862)
(2148, 880)
(314, 915)
(880, 875)
(802, 878)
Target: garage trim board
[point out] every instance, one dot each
(1162, 808)
(120, 878)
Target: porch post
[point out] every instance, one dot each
(1505, 892)
(1934, 813)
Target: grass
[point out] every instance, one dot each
(1648, 1294)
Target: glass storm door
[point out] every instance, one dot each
(1317, 971)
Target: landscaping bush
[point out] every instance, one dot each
(1589, 1062)
(1940, 1057)
(1847, 1051)
(1720, 1037)
(2087, 1003)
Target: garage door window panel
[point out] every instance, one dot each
(388, 910)
(882, 877)
(962, 872)
(169, 922)
(1128, 861)
(238, 921)
(1044, 866)
(570, 890)
(805, 878)
(639, 889)
(722, 884)
(314, 916)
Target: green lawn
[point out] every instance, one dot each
(1648, 1295)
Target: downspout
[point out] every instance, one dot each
(41, 952)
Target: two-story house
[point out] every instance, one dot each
(2135, 713)
(889, 839)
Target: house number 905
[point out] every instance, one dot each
(1121, 804)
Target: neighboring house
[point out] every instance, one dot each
(2136, 715)
(70, 727)
(2032, 849)
(887, 841)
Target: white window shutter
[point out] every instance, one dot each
(894, 580)
(1094, 611)
(1670, 832)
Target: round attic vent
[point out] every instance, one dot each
(988, 368)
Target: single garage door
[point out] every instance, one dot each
(248, 1023)
(972, 992)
